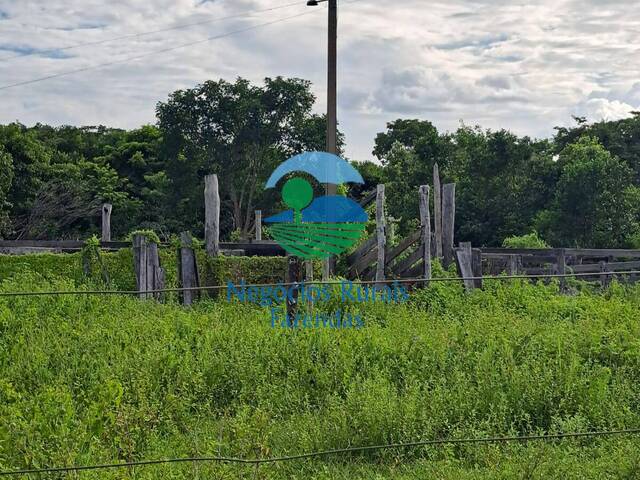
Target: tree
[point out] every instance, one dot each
(408, 150)
(596, 203)
(6, 179)
(503, 182)
(239, 131)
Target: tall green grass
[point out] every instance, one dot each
(91, 379)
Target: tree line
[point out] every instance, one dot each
(579, 188)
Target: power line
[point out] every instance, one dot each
(150, 32)
(155, 52)
(541, 276)
(304, 456)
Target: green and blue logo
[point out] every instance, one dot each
(320, 227)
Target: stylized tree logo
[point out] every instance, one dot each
(321, 227)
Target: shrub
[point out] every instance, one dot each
(531, 240)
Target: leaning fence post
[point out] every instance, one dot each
(448, 221)
(380, 232)
(258, 225)
(437, 210)
(106, 222)
(188, 269)
(425, 226)
(212, 215)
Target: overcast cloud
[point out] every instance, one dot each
(495, 63)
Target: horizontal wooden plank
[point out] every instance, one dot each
(362, 249)
(521, 251)
(394, 252)
(368, 199)
(406, 263)
(603, 253)
(611, 266)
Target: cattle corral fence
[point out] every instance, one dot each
(375, 259)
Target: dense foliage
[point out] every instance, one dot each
(88, 379)
(580, 188)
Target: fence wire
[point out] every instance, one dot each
(417, 280)
(305, 456)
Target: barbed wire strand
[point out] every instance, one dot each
(304, 456)
(391, 281)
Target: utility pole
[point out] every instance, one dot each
(332, 103)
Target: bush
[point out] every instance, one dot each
(532, 240)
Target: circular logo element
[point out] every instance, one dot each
(321, 227)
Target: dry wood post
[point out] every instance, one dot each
(149, 274)
(380, 232)
(604, 277)
(464, 255)
(561, 268)
(106, 222)
(293, 276)
(258, 225)
(448, 221)
(437, 210)
(188, 273)
(308, 267)
(425, 226)
(212, 215)
(476, 266)
(514, 265)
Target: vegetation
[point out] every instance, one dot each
(579, 188)
(91, 379)
(531, 240)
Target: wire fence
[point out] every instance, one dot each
(323, 453)
(416, 280)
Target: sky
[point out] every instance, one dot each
(523, 66)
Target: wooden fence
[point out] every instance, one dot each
(375, 259)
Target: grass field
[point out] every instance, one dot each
(87, 380)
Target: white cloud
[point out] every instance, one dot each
(527, 67)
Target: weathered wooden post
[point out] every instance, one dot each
(604, 277)
(293, 277)
(188, 269)
(425, 226)
(212, 215)
(448, 221)
(476, 266)
(514, 265)
(464, 256)
(561, 268)
(106, 222)
(258, 225)
(437, 210)
(149, 274)
(381, 234)
(308, 267)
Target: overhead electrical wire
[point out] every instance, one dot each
(155, 52)
(150, 32)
